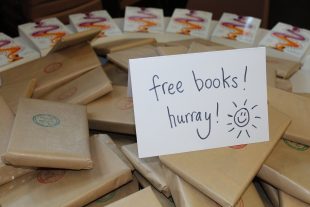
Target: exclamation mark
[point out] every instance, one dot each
(217, 111)
(245, 73)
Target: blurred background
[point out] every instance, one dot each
(15, 12)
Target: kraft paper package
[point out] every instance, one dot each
(290, 201)
(112, 112)
(116, 75)
(188, 42)
(284, 84)
(144, 183)
(64, 188)
(297, 108)
(149, 167)
(110, 143)
(7, 173)
(234, 167)
(121, 58)
(287, 169)
(171, 50)
(49, 134)
(198, 47)
(272, 193)
(185, 195)
(142, 198)
(13, 92)
(121, 192)
(105, 48)
(271, 77)
(58, 67)
(122, 139)
(284, 68)
(83, 89)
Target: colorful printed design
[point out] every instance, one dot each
(239, 27)
(240, 146)
(10, 49)
(46, 120)
(145, 20)
(288, 39)
(190, 23)
(47, 32)
(296, 146)
(50, 176)
(52, 67)
(96, 22)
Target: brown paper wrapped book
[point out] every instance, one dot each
(188, 42)
(284, 84)
(171, 50)
(271, 77)
(297, 108)
(144, 183)
(284, 68)
(287, 168)
(185, 195)
(7, 173)
(234, 167)
(105, 48)
(49, 134)
(116, 75)
(83, 89)
(58, 67)
(120, 193)
(113, 112)
(289, 201)
(198, 47)
(272, 193)
(142, 198)
(150, 168)
(69, 188)
(121, 58)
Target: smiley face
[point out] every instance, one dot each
(242, 117)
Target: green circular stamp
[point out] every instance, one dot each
(106, 198)
(296, 146)
(46, 120)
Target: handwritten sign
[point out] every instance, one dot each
(199, 101)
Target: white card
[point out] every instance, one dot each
(190, 22)
(95, 20)
(288, 39)
(144, 20)
(236, 27)
(199, 101)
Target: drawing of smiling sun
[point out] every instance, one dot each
(242, 119)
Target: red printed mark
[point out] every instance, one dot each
(52, 67)
(125, 103)
(50, 176)
(240, 146)
(69, 93)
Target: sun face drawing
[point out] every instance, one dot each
(243, 119)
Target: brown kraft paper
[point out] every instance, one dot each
(113, 112)
(234, 167)
(297, 108)
(69, 188)
(284, 68)
(119, 193)
(198, 47)
(171, 50)
(116, 75)
(287, 168)
(289, 201)
(185, 195)
(166, 202)
(49, 134)
(142, 198)
(272, 193)
(284, 84)
(188, 42)
(121, 58)
(83, 89)
(105, 48)
(150, 168)
(7, 173)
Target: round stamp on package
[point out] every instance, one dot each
(67, 94)
(52, 67)
(50, 176)
(46, 120)
(296, 146)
